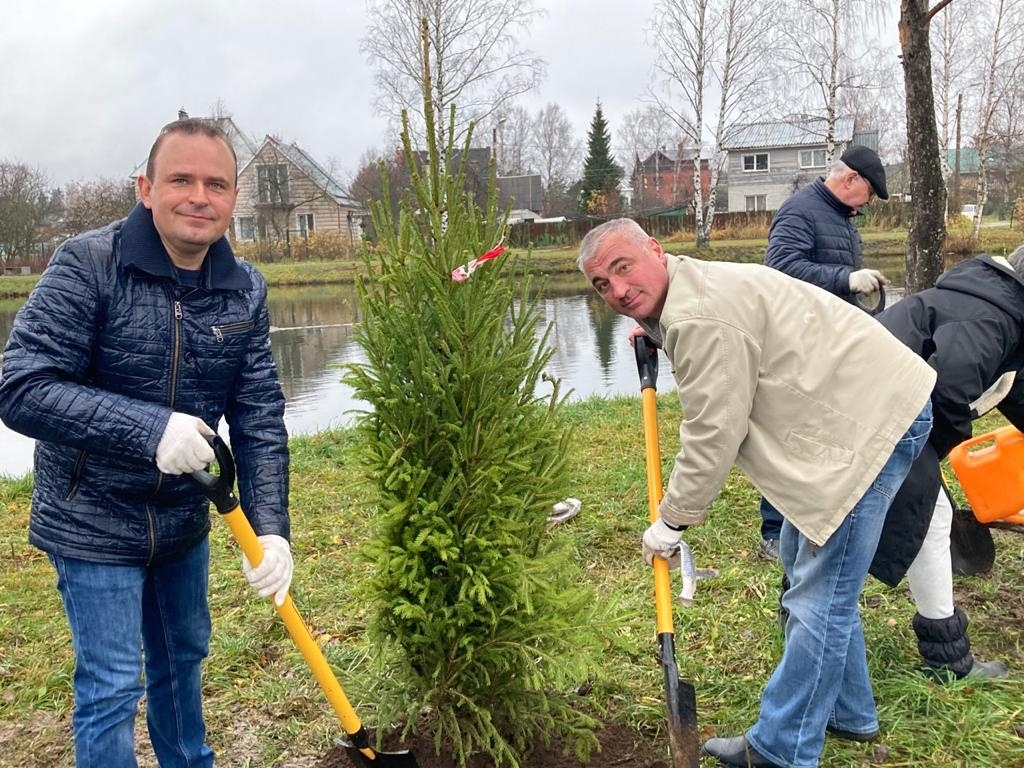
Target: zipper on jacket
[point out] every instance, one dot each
(76, 475)
(172, 393)
(220, 330)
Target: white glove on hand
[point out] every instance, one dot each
(866, 281)
(182, 447)
(273, 575)
(662, 541)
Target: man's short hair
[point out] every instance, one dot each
(190, 126)
(626, 227)
(1016, 259)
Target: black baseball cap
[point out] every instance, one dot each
(865, 162)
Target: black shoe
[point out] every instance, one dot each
(768, 549)
(864, 738)
(737, 752)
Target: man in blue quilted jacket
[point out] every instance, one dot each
(813, 238)
(138, 338)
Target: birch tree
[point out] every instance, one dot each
(556, 152)
(712, 67)
(1002, 68)
(827, 57)
(952, 41)
(475, 60)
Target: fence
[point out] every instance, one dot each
(662, 225)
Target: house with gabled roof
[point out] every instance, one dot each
(664, 179)
(283, 193)
(768, 161)
(243, 145)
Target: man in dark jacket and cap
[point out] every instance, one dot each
(813, 238)
(138, 338)
(970, 329)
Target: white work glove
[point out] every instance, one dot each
(866, 281)
(183, 447)
(273, 575)
(661, 540)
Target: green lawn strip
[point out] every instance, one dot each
(264, 708)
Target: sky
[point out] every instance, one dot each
(85, 85)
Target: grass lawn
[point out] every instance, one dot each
(264, 709)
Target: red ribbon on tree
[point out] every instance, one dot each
(461, 274)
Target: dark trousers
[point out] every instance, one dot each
(771, 520)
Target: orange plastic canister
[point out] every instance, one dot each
(990, 468)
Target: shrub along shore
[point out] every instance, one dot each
(883, 250)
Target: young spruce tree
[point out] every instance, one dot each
(479, 612)
(601, 174)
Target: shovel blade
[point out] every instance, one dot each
(364, 756)
(970, 544)
(681, 702)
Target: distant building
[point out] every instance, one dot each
(244, 146)
(768, 161)
(664, 179)
(284, 192)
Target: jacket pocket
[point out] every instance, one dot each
(818, 449)
(227, 329)
(76, 475)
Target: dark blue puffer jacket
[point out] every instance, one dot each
(813, 238)
(106, 347)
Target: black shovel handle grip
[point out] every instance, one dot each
(646, 362)
(220, 489)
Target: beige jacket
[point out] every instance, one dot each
(807, 394)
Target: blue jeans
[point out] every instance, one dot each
(118, 614)
(822, 679)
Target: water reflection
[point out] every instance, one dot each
(311, 338)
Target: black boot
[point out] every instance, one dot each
(946, 649)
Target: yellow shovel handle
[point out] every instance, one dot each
(662, 582)
(246, 538)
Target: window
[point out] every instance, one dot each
(812, 158)
(756, 203)
(245, 228)
(272, 183)
(305, 224)
(758, 162)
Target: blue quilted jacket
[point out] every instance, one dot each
(813, 238)
(106, 347)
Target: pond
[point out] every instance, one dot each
(311, 339)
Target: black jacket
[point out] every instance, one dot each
(970, 329)
(813, 238)
(106, 347)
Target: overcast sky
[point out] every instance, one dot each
(87, 84)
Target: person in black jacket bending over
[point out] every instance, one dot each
(813, 238)
(970, 329)
(138, 338)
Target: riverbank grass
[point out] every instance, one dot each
(264, 709)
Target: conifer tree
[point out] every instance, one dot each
(478, 610)
(601, 174)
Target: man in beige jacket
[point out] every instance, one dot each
(768, 382)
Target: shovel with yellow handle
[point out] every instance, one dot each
(221, 491)
(680, 696)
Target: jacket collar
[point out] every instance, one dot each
(829, 197)
(142, 249)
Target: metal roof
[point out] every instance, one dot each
(314, 171)
(796, 132)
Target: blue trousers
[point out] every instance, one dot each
(822, 678)
(124, 618)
